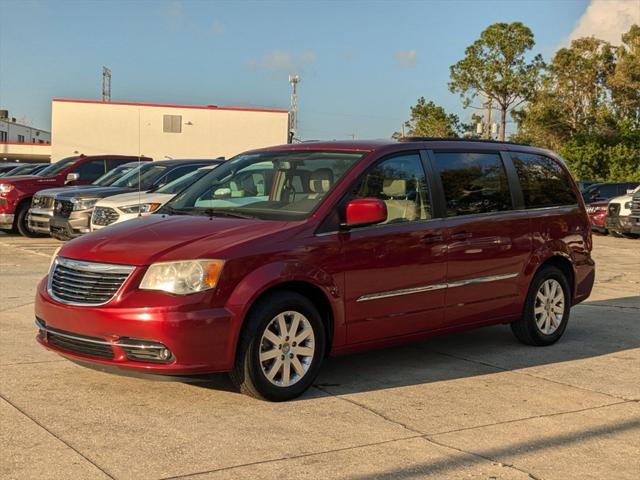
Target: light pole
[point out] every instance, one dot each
(293, 109)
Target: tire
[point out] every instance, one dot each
(21, 221)
(542, 323)
(631, 235)
(261, 335)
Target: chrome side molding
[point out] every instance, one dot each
(435, 286)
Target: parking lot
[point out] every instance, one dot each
(474, 405)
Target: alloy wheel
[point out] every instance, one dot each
(549, 306)
(287, 347)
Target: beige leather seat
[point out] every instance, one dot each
(320, 182)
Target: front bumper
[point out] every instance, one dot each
(634, 224)
(6, 220)
(38, 219)
(67, 228)
(619, 224)
(200, 339)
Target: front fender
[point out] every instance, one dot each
(256, 283)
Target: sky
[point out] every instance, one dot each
(362, 63)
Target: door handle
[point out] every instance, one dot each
(461, 236)
(432, 238)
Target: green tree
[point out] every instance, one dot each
(430, 120)
(625, 80)
(495, 67)
(588, 109)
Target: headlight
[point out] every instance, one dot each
(5, 187)
(184, 277)
(627, 206)
(142, 208)
(84, 204)
(53, 257)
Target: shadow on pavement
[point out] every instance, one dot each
(594, 330)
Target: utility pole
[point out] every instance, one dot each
(106, 84)
(293, 109)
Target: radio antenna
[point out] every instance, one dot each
(139, 164)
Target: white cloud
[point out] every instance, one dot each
(607, 20)
(217, 27)
(281, 62)
(173, 14)
(406, 59)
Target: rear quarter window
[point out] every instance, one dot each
(543, 182)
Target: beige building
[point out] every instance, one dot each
(161, 131)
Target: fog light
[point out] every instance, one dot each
(145, 350)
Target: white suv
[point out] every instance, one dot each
(128, 206)
(619, 221)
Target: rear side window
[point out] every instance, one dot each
(473, 182)
(544, 183)
(402, 184)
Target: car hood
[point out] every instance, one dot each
(621, 199)
(27, 179)
(133, 197)
(52, 192)
(92, 192)
(164, 238)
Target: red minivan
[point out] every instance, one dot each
(284, 255)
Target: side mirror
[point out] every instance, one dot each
(365, 211)
(72, 177)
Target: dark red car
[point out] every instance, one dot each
(16, 192)
(284, 255)
(597, 212)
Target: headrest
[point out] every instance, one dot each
(321, 180)
(393, 188)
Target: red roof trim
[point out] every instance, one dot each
(29, 144)
(167, 105)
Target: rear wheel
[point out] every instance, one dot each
(22, 223)
(281, 348)
(546, 310)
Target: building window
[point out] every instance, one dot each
(3, 136)
(172, 124)
(20, 138)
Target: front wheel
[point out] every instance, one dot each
(546, 310)
(281, 348)
(22, 223)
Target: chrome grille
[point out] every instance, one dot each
(635, 203)
(42, 202)
(63, 208)
(613, 210)
(104, 216)
(76, 282)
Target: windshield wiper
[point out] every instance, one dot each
(219, 212)
(173, 211)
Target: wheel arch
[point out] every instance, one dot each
(314, 284)
(562, 263)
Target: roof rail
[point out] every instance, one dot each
(457, 139)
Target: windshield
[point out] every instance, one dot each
(57, 167)
(285, 185)
(113, 175)
(145, 175)
(22, 170)
(183, 182)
